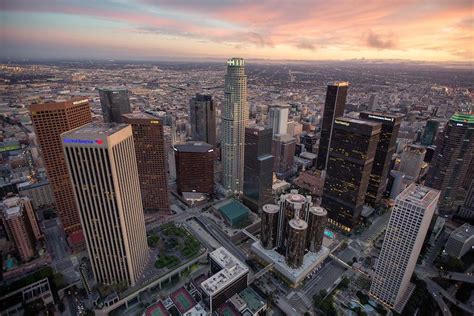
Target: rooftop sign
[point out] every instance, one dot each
(84, 141)
(390, 119)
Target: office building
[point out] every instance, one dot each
(230, 277)
(103, 169)
(412, 161)
(21, 225)
(278, 118)
(151, 156)
(235, 115)
(349, 166)
(283, 150)
(373, 102)
(269, 225)
(50, 121)
(429, 133)
(258, 167)
(460, 241)
(114, 103)
(451, 161)
(383, 155)
(309, 140)
(406, 231)
(316, 218)
(295, 249)
(194, 167)
(467, 209)
(333, 107)
(40, 193)
(202, 113)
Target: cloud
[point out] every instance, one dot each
(380, 41)
(305, 44)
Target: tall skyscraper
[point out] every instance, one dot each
(333, 107)
(151, 155)
(283, 150)
(114, 103)
(383, 155)
(235, 116)
(351, 157)
(278, 118)
(202, 112)
(412, 161)
(406, 231)
(269, 225)
(452, 159)
(295, 250)
(316, 218)
(258, 167)
(430, 132)
(50, 121)
(194, 167)
(467, 209)
(103, 169)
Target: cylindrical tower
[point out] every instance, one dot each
(289, 203)
(317, 219)
(296, 242)
(269, 226)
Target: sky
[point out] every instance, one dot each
(422, 30)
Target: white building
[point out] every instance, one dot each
(235, 117)
(278, 119)
(103, 170)
(406, 231)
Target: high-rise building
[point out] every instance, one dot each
(194, 167)
(258, 167)
(151, 155)
(50, 121)
(269, 225)
(114, 103)
(283, 150)
(103, 169)
(278, 118)
(295, 250)
(333, 107)
(235, 115)
(373, 102)
(467, 209)
(21, 225)
(349, 166)
(406, 231)
(383, 155)
(412, 161)
(430, 132)
(308, 140)
(202, 112)
(452, 159)
(316, 218)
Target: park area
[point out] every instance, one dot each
(173, 245)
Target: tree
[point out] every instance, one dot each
(344, 283)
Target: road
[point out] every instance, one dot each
(455, 276)
(55, 240)
(441, 303)
(378, 225)
(324, 279)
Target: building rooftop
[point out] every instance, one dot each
(271, 208)
(52, 105)
(112, 89)
(157, 309)
(106, 129)
(284, 138)
(339, 83)
(253, 300)
(183, 300)
(419, 195)
(298, 224)
(140, 115)
(194, 147)
(463, 118)
(383, 116)
(232, 269)
(318, 210)
(352, 120)
(234, 210)
(463, 232)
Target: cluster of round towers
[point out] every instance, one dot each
(293, 227)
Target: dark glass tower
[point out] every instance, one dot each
(451, 160)
(202, 110)
(383, 155)
(430, 132)
(258, 167)
(334, 107)
(351, 157)
(308, 140)
(114, 103)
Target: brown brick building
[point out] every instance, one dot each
(151, 160)
(50, 121)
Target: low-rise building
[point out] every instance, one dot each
(460, 241)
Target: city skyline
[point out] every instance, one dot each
(308, 30)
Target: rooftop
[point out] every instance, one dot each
(463, 232)
(355, 121)
(234, 209)
(419, 195)
(340, 84)
(140, 115)
(106, 129)
(232, 269)
(112, 89)
(253, 300)
(157, 309)
(271, 208)
(463, 118)
(194, 147)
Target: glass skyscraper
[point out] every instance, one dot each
(202, 111)
(114, 103)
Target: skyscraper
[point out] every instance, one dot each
(103, 169)
(258, 167)
(296, 242)
(333, 107)
(451, 161)
(308, 140)
(235, 116)
(269, 225)
(316, 218)
(283, 150)
(412, 161)
(114, 103)
(467, 209)
(383, 155)
(151, 155)
(194, 167)
(430, 132)
(50, 120)
(278, 118)
(351, 157)
(202, 111)
(406, 231)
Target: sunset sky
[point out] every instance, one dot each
(429, 30)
